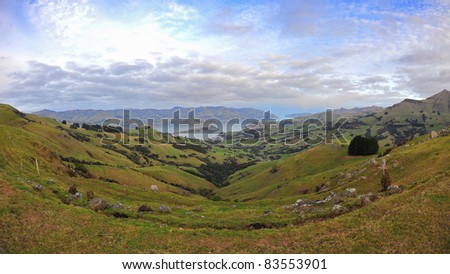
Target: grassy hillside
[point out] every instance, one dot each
(256, 213)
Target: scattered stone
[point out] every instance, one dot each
(395, 163)
(267, 212)
(117, 206)
(393, 189)
(350, 192)
(37, 187)
(304, 202)
(154, 188)
(73, 190)
(90, 195)
(78, 195)
(164, 209)
(50, 181)
(233, 206)
(338, 209)
(334, 197)
(144, 208)
(97, 204)
(444, 132)
(433, 134)
(198, 209)
(362, 178)
(367, 198)
(373, 161)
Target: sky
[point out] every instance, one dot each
(287, 56)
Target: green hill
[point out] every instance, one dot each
(300, 203)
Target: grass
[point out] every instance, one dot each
(414, 221)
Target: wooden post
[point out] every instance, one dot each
(37, 168)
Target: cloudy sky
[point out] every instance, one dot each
(288, 56)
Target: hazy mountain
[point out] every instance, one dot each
(340, 111)
(97, 116)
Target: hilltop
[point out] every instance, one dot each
(219, 197)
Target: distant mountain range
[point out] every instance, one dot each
(98, 116)
(356, 110)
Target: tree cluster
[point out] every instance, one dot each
(363, 146)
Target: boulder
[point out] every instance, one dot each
(338, 209)
(373, 161)
(433, 134)
(367, 198)
(97, 204)
(304, 202)
(154, 188)
(393, 189)
(37, 187)
(145, 208)
(78, 195)
(164, 209)
(350, 192)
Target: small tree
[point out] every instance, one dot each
(363, 146)
(64, 122)
(74, 125)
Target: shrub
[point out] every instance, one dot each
(363, 146)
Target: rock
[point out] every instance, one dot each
(154, 188)
(198, 209)
(350, 192)
(362, 178)
(73, 190)
(117, 206)
(393, 189)
(37, 187)
(233, 206)
(334, 197)
(78, 195)
(367, 198)
(373, 161)
(50, 181)
(97, 204)
(267, 212)
(443, 132)
(90, 195)
(304, 202)
(433, 134)
(164, 209)
(144, 208)
(338, 209)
